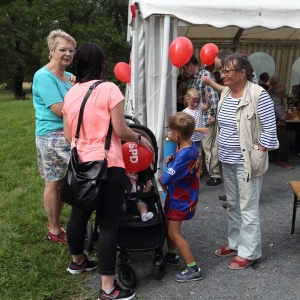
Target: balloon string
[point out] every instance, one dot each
(155, 92)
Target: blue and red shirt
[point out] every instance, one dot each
(182, 181)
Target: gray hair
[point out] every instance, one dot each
(53, 37)
(278, 90)
(239, 61)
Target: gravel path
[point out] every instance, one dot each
(274, 276)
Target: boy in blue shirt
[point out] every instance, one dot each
(181, 184)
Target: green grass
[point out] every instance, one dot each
(31, 267)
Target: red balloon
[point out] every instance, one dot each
(123, 72)
(208, 53)
(180, 51)
(136, 157)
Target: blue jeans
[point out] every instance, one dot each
(199, 147)
(243, 211)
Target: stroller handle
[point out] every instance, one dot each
(135, 120)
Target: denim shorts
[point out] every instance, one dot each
(53, 153)
(199, 147)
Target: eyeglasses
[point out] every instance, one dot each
(64, 50)
(226, 72)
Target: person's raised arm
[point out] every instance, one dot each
(209, 82)
(121, 129)
(208, 104)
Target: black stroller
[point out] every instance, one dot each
(135, 235)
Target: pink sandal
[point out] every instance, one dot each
(222, 252)
(241, 264)
(57, 238)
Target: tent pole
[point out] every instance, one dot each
(135, 59)
(163, 87)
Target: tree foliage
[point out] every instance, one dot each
(25, 24)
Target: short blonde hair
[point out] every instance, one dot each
(53, 37)
(183, 123)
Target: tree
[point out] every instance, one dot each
(16, 24)
(24, 26)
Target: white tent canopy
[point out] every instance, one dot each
(270, 26)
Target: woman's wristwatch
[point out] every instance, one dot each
(139, 139)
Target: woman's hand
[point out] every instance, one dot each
(206, 80)
(261, 148)
(144, 142)
(72, 80)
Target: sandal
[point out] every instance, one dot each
(57, 238)
(222, 252)
(241, 264)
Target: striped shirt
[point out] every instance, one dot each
(198, 116)
(228, 139)
(196, 83)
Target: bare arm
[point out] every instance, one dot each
(208, 81)
(67, 132)
(204, 130)
(207, 106)
(121, 129)
(56, 109)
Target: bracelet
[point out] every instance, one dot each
(139, 139)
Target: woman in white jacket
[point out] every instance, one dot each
(245, 131)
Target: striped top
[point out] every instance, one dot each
(196, 83)
(228, 139)
(198, 116)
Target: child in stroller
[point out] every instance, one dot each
(134, 235)
(132, 185)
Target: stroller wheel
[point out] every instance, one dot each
(128, 275)
(160, 270)
(88, 241)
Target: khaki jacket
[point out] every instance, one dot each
(249, 130)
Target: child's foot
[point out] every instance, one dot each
(189, 274)
(147, 216)
(172, 259)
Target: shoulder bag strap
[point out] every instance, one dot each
(87, 95)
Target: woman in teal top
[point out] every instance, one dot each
(50, 84)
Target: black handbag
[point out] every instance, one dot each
(83, 182)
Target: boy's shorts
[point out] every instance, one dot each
(53, 153)
(178, 210)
